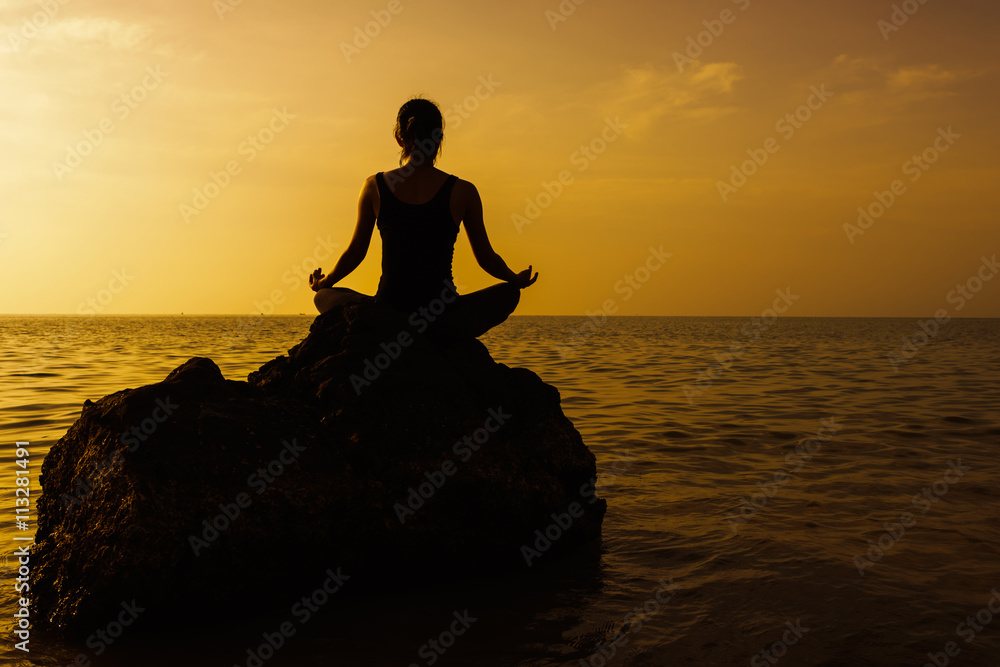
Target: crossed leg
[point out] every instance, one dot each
(329, 297)
(476, 313)
(471, 316)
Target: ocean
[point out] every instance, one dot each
(801, 491)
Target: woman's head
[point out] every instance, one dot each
(419, 130)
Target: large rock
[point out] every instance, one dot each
(327, 450)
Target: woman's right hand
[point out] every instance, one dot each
(524, 278)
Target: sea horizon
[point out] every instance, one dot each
(513, 316)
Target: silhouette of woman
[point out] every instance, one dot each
(418, 209)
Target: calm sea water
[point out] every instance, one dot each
(759, 495)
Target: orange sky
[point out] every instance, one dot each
(115, 112)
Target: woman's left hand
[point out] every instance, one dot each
(524, 278)
(316, 279)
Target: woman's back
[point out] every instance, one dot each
(418, 230)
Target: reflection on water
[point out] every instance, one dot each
(718, 472)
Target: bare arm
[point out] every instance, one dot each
(482, 249)
(358, 247)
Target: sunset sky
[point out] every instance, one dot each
(116, 114)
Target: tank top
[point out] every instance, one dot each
(418, 245)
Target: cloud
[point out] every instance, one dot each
(647, 94)
(927, 81)
(100, 33)
(719, 77)
(8, 5)
(880, 90)
(68, 36)
(881, 76)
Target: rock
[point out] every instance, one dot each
(207, 489)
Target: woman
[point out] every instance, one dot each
(418, 209)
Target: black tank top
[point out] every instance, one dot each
(418, 245)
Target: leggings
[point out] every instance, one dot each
(471, 316)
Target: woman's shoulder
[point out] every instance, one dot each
(466, 193)
(370, 188)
